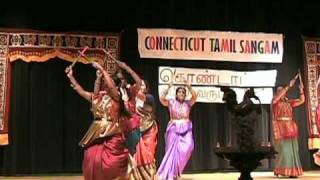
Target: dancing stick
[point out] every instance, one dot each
(108, 53)
(300, 78)
(318, 81)
(81, 54)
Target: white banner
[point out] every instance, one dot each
(210, 45)
(262, 78)
(208, 94)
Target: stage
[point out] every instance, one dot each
(308, 175)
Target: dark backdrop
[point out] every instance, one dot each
(48, 119)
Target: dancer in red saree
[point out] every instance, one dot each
(105, 154)
(142, 140)
(285, 131)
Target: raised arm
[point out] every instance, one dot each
(108, 81)
(97, 83)
(133, 74)
(284, 90)
(193, 94)
(163, 100)
(301, 99)
(76, 86)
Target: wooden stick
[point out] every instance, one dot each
(300, 78)
(81, 54)
(108, 54)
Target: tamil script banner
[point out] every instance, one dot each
(178, 75)
(206, 81)
(312, 69)
(211, 94)
(210, 45)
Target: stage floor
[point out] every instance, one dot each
(314, 175)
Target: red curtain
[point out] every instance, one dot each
(36, 46)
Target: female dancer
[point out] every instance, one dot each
(179, 138)
(142, 140)
(105, 155)
(316, 155)
(285, 131)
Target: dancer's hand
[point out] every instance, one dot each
(121, 64)
(170, 85)
(293, 81)
(98, 74)
(69, 71)
(187, 83)
(97, 65)
(301, 88)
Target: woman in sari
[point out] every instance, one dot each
(179, 137)
(285, 131)
(316, 156)
(142, 140)
(105, 154)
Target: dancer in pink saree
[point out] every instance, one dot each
(179, 137)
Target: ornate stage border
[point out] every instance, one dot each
(34, 46)
(312, 72)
